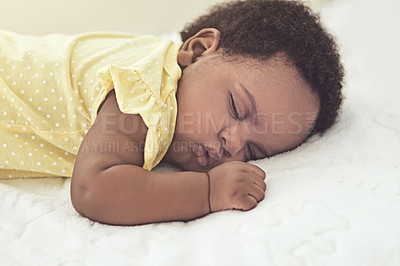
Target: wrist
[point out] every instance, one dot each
(209, 192)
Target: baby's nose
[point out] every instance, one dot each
(232, 144)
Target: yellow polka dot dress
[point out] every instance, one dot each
(51, 88)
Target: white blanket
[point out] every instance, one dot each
(333, 201)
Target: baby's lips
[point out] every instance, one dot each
(213, 152)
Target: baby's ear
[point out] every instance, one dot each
(205, 42)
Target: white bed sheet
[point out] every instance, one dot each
(333, 201)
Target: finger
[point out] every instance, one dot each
(250, 168)
(249, 203)
(258, 171)
(257, 193)
(258, 182)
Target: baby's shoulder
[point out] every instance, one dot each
(113, 121)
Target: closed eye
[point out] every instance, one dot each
(251, 153)
(233, 108)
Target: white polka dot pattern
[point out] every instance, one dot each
(52, 86)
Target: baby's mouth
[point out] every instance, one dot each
(202, 155)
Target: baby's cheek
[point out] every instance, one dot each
(197, 125)
(186, 123)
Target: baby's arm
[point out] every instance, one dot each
(110, 186)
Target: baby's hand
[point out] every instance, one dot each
(236, 185)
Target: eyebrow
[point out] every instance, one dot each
(254, 113)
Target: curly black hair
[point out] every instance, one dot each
(261, 29)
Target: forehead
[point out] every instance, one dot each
(286, 106)
(277, 83)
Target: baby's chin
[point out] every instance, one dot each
(191, 166)
(186, 162)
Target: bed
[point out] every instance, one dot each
(335, 200)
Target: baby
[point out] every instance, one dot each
(249, 80)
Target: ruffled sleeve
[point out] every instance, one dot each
(137, 93)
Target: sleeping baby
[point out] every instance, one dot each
(250, 79)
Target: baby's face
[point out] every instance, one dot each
(238, 111)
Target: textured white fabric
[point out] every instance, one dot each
(333, 201)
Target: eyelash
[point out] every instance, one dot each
(234, 109)
(235, 114)
(252, 155)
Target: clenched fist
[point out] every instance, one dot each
(236, 185)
